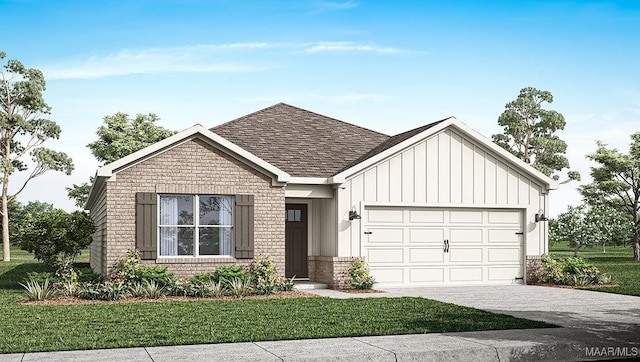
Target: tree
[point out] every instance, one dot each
(616, 183)
(118, 137)
(22, 131)
(56, 236)
(529, 133)
(590, 225)
(18, 213)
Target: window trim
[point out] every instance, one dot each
(196, 228)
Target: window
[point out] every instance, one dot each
(195, 225)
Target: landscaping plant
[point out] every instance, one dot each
(359, 276)
(571, 271)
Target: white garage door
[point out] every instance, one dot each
(428, 246)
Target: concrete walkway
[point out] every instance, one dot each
(595, 325)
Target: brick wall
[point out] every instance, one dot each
(329, 270)
(533, 268)
(193, 167)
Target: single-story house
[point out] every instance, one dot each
(436, 205)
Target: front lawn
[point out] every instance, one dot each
(618, 262)
(109, 325)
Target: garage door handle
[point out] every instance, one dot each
(368, 233)
(446, 246)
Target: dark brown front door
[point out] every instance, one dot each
(296, 241)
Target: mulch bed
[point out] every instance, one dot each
(61, 300)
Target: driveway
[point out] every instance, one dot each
(594, 315)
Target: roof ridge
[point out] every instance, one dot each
(304, 110)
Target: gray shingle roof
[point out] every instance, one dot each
(300, 142)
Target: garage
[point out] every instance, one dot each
(435, 246)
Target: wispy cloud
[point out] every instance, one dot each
(188, 59)
(202, 58)
(344, 46)
(337, 5)
(347, 97)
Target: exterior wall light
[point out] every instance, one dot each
(540, 216)
(353, 214)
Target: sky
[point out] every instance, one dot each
(389, 66)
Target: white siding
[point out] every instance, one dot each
(445, 170)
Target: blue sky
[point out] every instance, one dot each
(389, 66)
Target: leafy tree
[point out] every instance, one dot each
(56, 236)
(616, 183)
(529, 133)
(22, 130)
(118, 137)
(590, 225)
(18, 213)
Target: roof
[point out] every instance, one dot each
(392, 141)
(300, 142)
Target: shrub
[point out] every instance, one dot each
(86, 274)
(571, 271)
(285, 285)
(39, 291)
(40, 277)
(156, 274)
(227, 273)
(110, 290)
(239, 288)
(263, 274)
(127, 270)
(55, 236)
(359, 276)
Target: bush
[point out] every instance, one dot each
(285, 285)
(55, 236)
(157, 274)
(359, 275)
(39, 291)
(227, 273)
(263, 274)
(130, 270)
(571, 271)
(111, 290)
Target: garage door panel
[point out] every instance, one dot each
(388, 275)
(385, 216)
(387, 235)
(465, 235)
(496, 274)
(504, 236)
(426, 275)
(497, 255)
(465, 274)
(426, 216)
(417, 256)
(504, 217)
(465, 255)
(465, 217)
(427, 236)
(385, 256)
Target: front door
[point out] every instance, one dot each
(296, 241)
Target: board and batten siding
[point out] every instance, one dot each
(97, 248)
(445, 170)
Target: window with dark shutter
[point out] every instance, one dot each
(243, 227)
(146, 224)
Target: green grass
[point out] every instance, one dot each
(27, 328)
(618, 262)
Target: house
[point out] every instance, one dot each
(437, 205)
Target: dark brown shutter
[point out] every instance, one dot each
(243, 226)
(147, 224)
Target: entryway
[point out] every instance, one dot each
(296, 240)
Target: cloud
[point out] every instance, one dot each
(201, 58)
(188, 59)
(343, 46)
(347, 97)
(337, 5)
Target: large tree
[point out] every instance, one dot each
(529, 133)
(616, 183)
(23, 129)
(119, 136)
